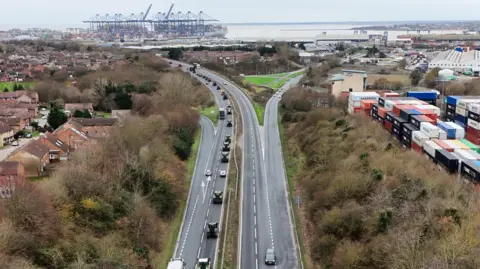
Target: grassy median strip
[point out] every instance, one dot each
(167, 252)
(260, 111)
(292, 166)
(211, 113)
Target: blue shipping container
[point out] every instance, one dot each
(463, 125)
(448, 129)
(477, 163)
(423, 95)
(452, 100)
(461, 119)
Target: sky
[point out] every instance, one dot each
(61, 13)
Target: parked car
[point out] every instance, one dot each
(28, 135)
(15, 143)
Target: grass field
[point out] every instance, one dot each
(260, 80)
(171, 238)
(277, 85)
(9, 85)
(260, 111)
(211, 113)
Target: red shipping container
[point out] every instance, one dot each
(396, 109)
(434, 117)
(382, 112)
(472, 138)
(443, 145)
(387, 125)
(367, 104)
(416, 147)
(473, 132)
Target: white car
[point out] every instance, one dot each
(223, 173)
(225, 83)
(208, 173)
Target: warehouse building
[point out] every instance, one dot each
(457, 60)
(348, 81)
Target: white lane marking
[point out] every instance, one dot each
(208, 210)
(256, 265)
(189, 225)
(201, 240)
(256, 250)
(255, 232)
(254, 197)
(198, 254)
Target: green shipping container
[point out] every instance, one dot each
(471, 145)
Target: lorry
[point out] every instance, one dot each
(221, 113)
(176, 263)
(203, 263)
(225, 96)
(224, 157)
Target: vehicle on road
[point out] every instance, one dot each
(224, 157)
(179, 65)
(208, 173)
(196, 65)
(228, 139)
(270, 258)
(212, 230)
(15, 143)
(225, 97)
(214, 84)
(229, 123)
(203, 263)
(217, 197)
(28, 136)
(222, 93)
(176, 264)
(223, 173)
(226, 147)
(221, 113)
(218, 88)
(44, 109)
(225, 83)
(170, 62)
(229, 110)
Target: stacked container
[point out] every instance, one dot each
(355, 98)
(427, 96)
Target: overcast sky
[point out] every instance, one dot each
(72, 12)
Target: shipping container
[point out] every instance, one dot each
(474, 116)
(358, 96)
(473, 138)
(429, 147)
(471, 170)
(463, 103)
(382, 112)
(459, 130)
(416, 147)
(451, 107)
(442, 135)
(447, 128)
(367, 104)
(442, 144)
(408, 129)
(460, 144)
(447, 159)
(461, 111)
(375, 107)
(452, 100)
(398, 108)
(430, 130)
(416, 120)
(474, 154)
(471, 145)
(422, 95)
(464, 155)
(407, 113)
(389, 116)
(473, 124)
(406, 141)
(475, 108)
(398, 122)
(388, 125)
(419, 137)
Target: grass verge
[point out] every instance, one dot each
(260, 80)
(292, 166)
(211, 113)
(260, 111)
(170, 239)
(277, 85)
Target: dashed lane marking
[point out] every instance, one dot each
(189, 225)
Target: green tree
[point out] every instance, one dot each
(82, 114)
(5, 90)
(175, 53)
(382, 55)
(20, 87)
(415, 77)
(56, 118)
(15, 87)
(431, 78)
(34, 125)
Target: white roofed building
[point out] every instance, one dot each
(456, 60)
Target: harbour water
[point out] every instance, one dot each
(268, 32)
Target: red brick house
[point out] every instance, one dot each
(72, 134)
(19, 97)
(58, 150)
(12, 173)
(34, 156)
(15, 123)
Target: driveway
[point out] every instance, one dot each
(9, 148)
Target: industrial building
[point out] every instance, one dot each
(348, 81)
(456, 60)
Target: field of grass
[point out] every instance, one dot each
(392, 78)
(296, 74)
(9, 85)
(260, 111)
(211, 113)
(260, 80)
(277, 85)
(170, 240)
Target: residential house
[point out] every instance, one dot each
(12, 173)
(6, 134)
(15, 123)
(72, 107)
(34, 156)
(348, 81)
(58, 149)
(32, 109)
(96, 127)
(19, 97)
(71, 133)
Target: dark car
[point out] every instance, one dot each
(270, 258)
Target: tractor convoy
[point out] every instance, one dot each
(212, 229)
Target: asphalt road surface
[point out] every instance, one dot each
(276, 180)
(192, 242)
